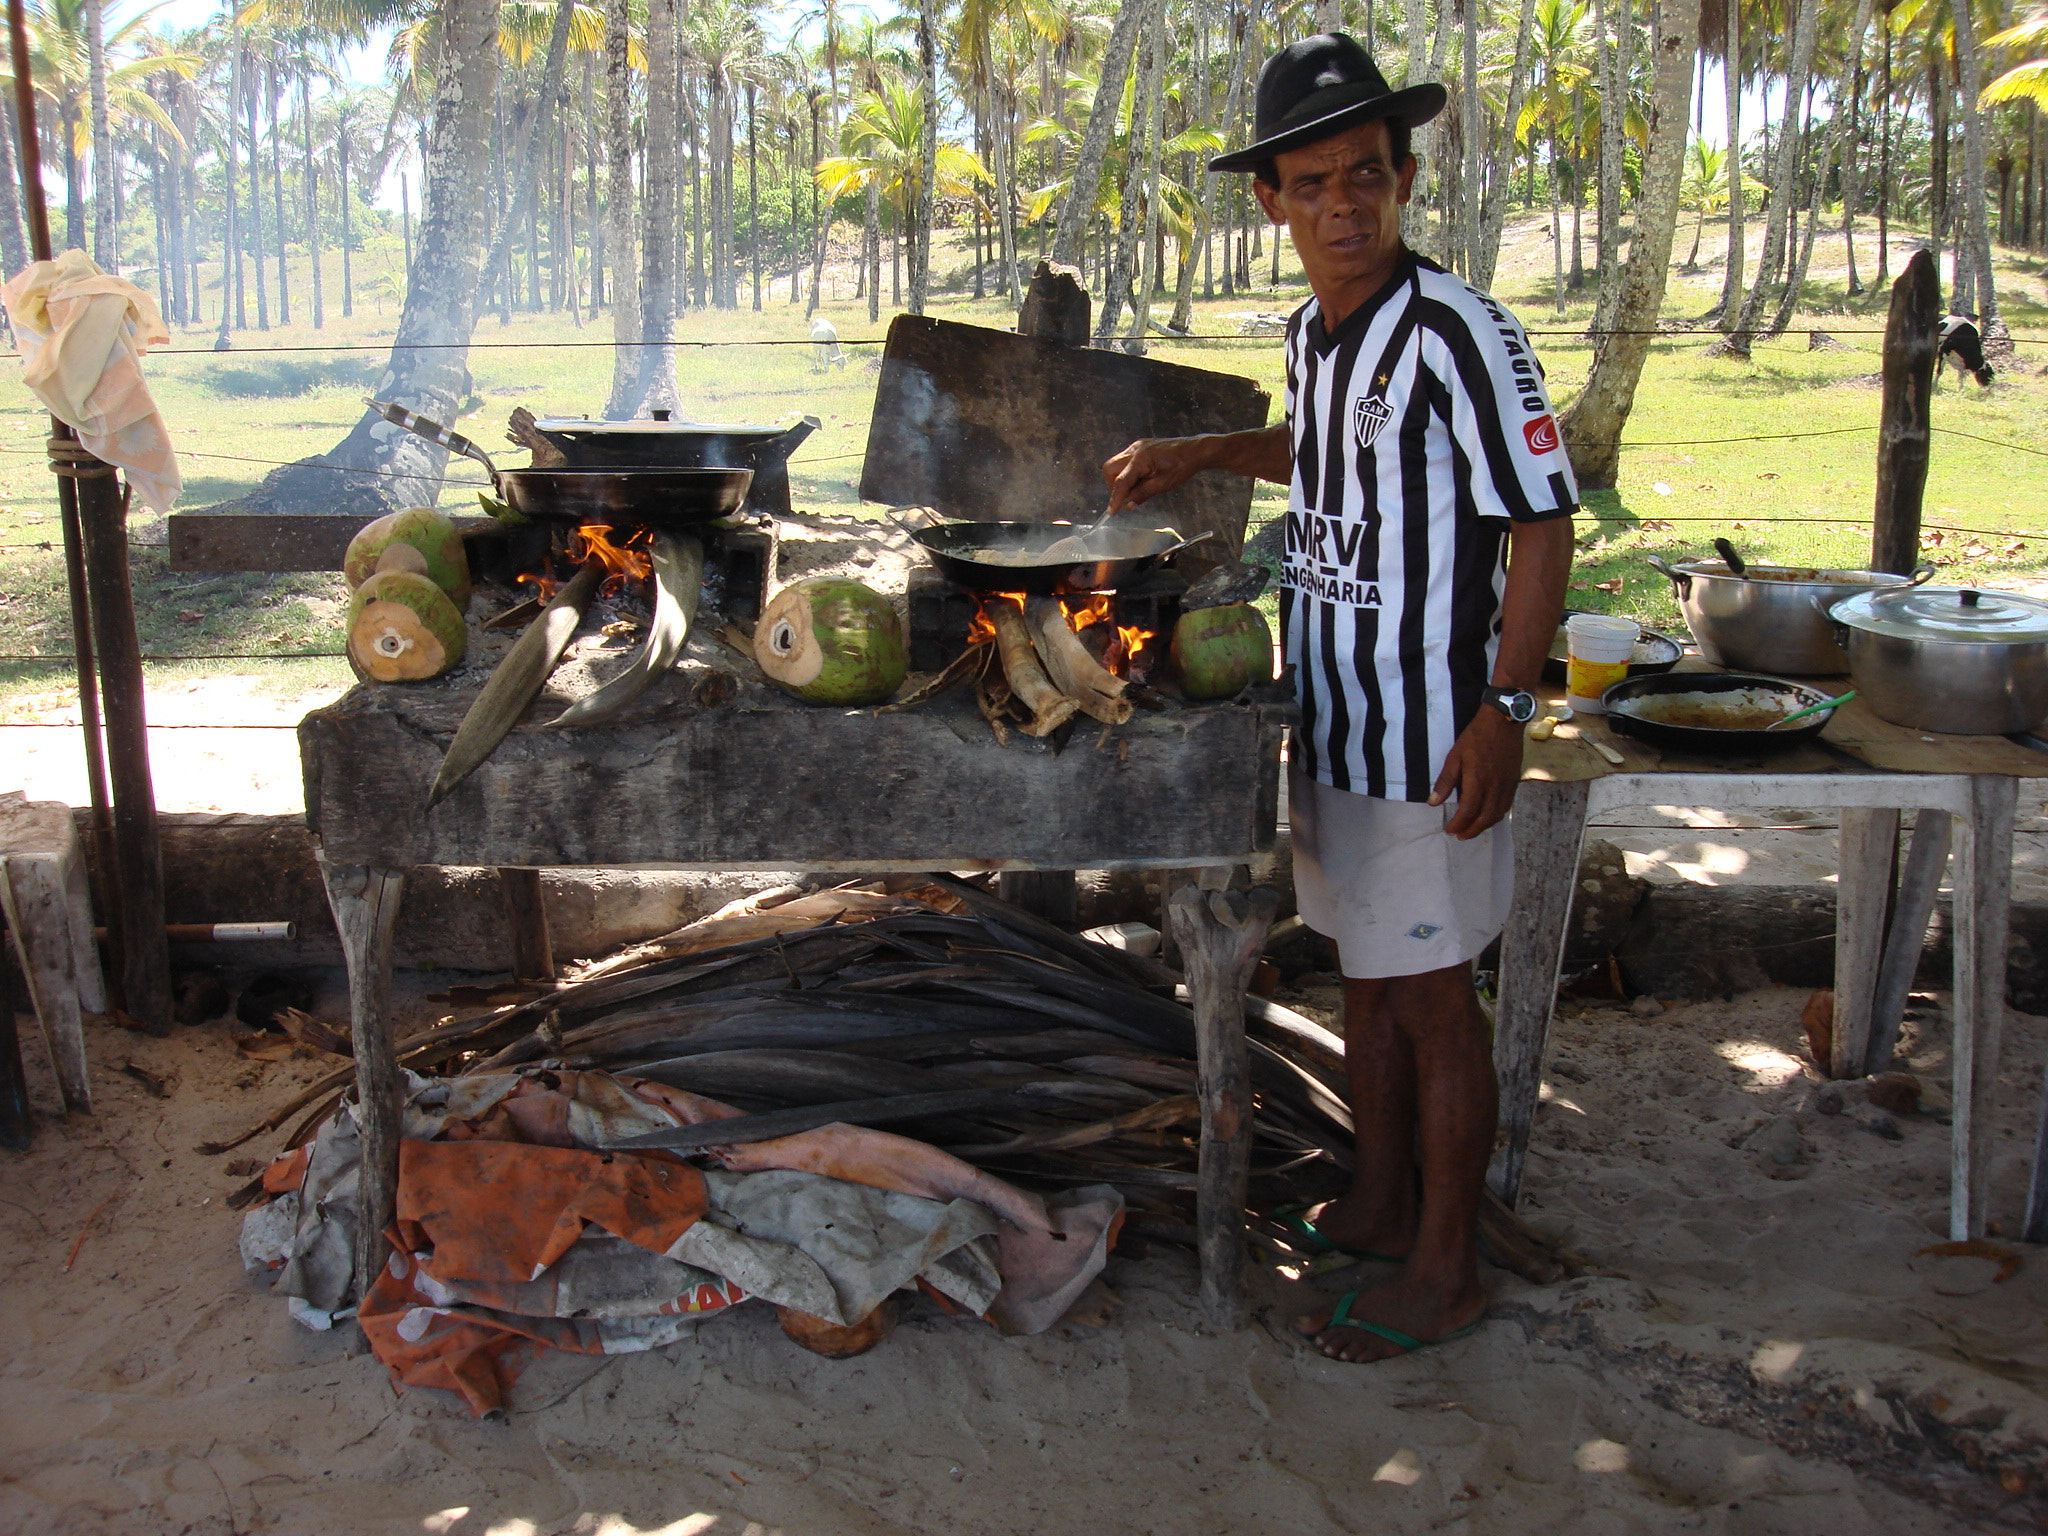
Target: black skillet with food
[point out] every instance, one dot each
(1715, 713)
(1046, 558)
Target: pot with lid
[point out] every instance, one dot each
(665, 444)
(1960, 660)
(1771, 618)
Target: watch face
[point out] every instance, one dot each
(1519, 704)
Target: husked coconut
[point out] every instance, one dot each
(402, 628)
(1218, 652)
(419, 540)
(832, 640)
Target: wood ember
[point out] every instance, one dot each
(1077, 674)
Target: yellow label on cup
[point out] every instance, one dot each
(1590, 679)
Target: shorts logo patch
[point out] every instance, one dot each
(1542, 434)
(1369, 417)
(1425, 930)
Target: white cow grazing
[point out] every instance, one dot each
(825, 351)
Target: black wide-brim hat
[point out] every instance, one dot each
(1320, 86)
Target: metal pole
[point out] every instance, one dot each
(110, 691)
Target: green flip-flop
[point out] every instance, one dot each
(1341, 1317)
(1295, 1219)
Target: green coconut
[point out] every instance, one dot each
(1218, 652)
(832, 640)
(402, 628)
(419, 540)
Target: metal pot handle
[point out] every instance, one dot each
(1678, 578)
(432, 431)
(1922, 574)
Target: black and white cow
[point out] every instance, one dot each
(1963, 345)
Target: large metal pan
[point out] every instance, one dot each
(665, 444)
(1004, 557)
(642, 498)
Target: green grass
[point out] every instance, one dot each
(1699, 471)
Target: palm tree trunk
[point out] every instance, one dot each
(1770, 261)
(697, 274)
(1556, 232)
(1613, 110)
(1147, 275)
(1976, 236)
(1121, 254)
(1472, 119)
(312, 179)
(1184, 300)
(1731, 279)
(1501, 172)
(284, 291)
(658, 225)
(251, 90)
(928, 155)
(103, 171)
(822, 214)
(1795, 283)
(871, 249)
(13, 236)
(1850, 152)
(1593, 425)
(348, 235)
(754, 188)
(428, 367)
(230, 239)
(622, 232)
(1077, 210)
(163, 234)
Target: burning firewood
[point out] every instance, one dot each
(1098, 691)
(1050, 708)
(519, 677)
(992, 698)
(678, 583)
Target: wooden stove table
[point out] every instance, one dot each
(717, 771)
(1868, 770)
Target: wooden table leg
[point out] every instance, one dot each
(365, 903)
(1549, 824)
(1982, 903)
(1867, 860)
(1926, 858)
(2035, 1229)
(1221, 933)
(526, 915)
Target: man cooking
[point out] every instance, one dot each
(1428, 538)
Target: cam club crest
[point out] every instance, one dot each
(1369, 417)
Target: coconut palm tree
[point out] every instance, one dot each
(1704, 190)
(62, 62)
(883, 154)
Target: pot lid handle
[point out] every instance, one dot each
(661, 415)
(1972, 597)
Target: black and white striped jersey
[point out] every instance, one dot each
(1421, 429)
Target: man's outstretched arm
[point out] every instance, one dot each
(1154, 465)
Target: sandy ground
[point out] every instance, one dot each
(154, 1388)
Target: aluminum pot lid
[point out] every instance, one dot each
(591, 427)
(1960, 614)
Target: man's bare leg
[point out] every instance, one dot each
(1437, 1291)
(1378, 1215)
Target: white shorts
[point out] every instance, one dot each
(1382, 878)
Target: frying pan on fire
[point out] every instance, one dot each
(624, 498)
(1009, 556)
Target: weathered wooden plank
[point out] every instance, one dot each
(1912, 334)
(1866, 858)
(765, 780)
(986, 424)
(526, 917)
(365, 903)
(242, 541)
(1982, 906)
(2035, 1228)
(1549, 822)
(1220, 935)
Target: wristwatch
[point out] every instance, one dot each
(1518, 704)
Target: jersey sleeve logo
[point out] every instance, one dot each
(1542, 434)
(1369, 418)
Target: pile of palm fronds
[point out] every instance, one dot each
(945, 1014)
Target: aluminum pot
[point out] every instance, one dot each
(1771, 618)
(1952, 659)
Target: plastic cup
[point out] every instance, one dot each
(1597, 651)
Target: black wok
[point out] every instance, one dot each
(650, 498)
(665, 444)
(1738, 739)
(1001, 557)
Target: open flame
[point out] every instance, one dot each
(1121, 648)
(623, 556)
